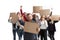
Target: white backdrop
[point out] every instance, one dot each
(7, 6)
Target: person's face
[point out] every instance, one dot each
(29, 17)
(43, 18)
(34, 16)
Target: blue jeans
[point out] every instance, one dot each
(14, 34)
(14, 31)
(20, 33)
(35, 36)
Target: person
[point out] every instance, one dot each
(13, 28)
(20, 26)
(35, 18)
(51, 28)
(43, 28)
(27, 35)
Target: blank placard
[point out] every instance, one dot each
(44, 12)
(14, 17)
(55, 17)
(36, 9)
(31, 27)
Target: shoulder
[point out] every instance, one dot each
(45, 20)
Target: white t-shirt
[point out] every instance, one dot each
(43, 24)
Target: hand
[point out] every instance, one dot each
(23, 27)
(10, 18)
(59, 18)
(38, 29)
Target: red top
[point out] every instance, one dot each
(23, 14)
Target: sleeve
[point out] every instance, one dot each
(39, 23)
(37, 20)
(46, 24)
(55, 21)
(18, 24)
(51, 13)
(21, 12)
(21, 26)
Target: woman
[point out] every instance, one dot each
(27, 35)
(36, 19)
(20, 26)
(43, 28)
(51, 28)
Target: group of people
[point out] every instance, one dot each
(45, 24)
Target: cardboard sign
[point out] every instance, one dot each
(14, 17)
(44, 12)
(55, 17)
(36, 9)
(31, 27)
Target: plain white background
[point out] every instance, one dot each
(7, 6)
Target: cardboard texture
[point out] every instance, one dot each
(55, 17)
(14, 17)
(44, 12)
(36, 9)
(31, 27)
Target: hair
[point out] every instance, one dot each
(17, 13)
(34, 15)
(42, 17)
(28, 14)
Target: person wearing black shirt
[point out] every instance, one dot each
(51, 28)
(13, 28)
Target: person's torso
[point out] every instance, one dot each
(51, 25)
(43, 25)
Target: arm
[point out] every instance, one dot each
(39, 24)
(55, 21)
(51, 13)
(20, 25)
(21, 11)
